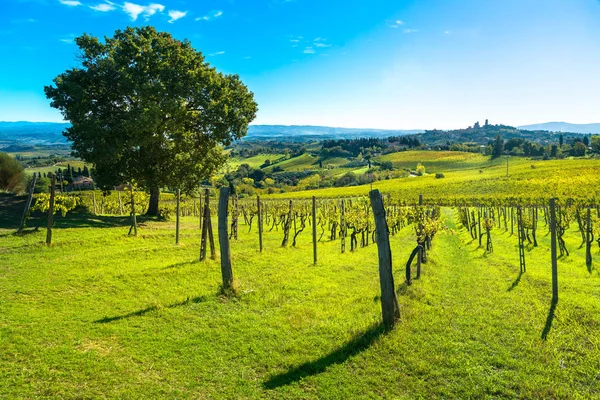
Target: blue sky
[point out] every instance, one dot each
(381, 64)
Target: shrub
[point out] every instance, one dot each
(386, 166)
(420, 169)
(439, 175)
(12, 177)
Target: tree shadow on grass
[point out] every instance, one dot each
(549, 320)
(142, 312)
(516, 282)
(360, 343)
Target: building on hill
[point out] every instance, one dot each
(82, 183)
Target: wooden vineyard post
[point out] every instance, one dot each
(200, 210)
(588, 239)
(28, 202)
(120, 202)
(133, 216)
(314, 228)
(226, 271)
(51, 211)
(177, 218)
(343, 225)
(94, 201)
(389, 303)
(521, 236)
(207, 234)
(260, 224)
(553, 250)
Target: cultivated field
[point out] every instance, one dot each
(102, 314)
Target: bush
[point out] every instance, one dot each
(12, 177)
(386, 166)
(420, 169)
(439, 175)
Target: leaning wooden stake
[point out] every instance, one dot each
(51, 211)
(28, 202)
(260, 224)
(226, 271)
(314, 228)
(553, 250)
(389, 303)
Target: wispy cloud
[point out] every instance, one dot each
(134, 10)
(410, 30)
(211, 15)
(175, 15)
(447, 32)
(70, 3)
(103, 7)
(397, 23)
(67, 40)
(218, 53)
(309, 50)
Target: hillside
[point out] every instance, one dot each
(563, 127)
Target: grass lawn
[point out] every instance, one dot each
(103, 315)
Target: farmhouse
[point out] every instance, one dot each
(82, 183)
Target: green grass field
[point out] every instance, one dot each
(74, 164)
(527, 178)
(103, 315)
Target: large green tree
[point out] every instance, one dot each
(146, 107)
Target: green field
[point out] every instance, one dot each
(100, 314)
(47, 170)
(526, 178)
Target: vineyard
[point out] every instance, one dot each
(476, 282)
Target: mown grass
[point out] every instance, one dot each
(103, 315)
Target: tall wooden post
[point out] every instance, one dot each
(28, 202)
(133, 216)
(120, 202)
(314, 228)
(94, 201)
(260, 223)
(588, 239)
(226, 270)
(390, 309)
(211, 239)
(51, 211)
(343, 225)
(178, 211)
(553, 250)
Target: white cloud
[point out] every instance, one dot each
(446, 32)
(69, 41)
(218, 53)
(134, 10)
(319, 44)
(103, 7)
(397, 23)
(309, 50)
(410, 30)
(211, 15)
(70, 3)
(175, 15)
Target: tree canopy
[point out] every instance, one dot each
(146, 107)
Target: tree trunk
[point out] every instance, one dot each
(153, 204)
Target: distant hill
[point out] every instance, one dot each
(563, 127)
(23, 132)
(307, 133)
(34, 133)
